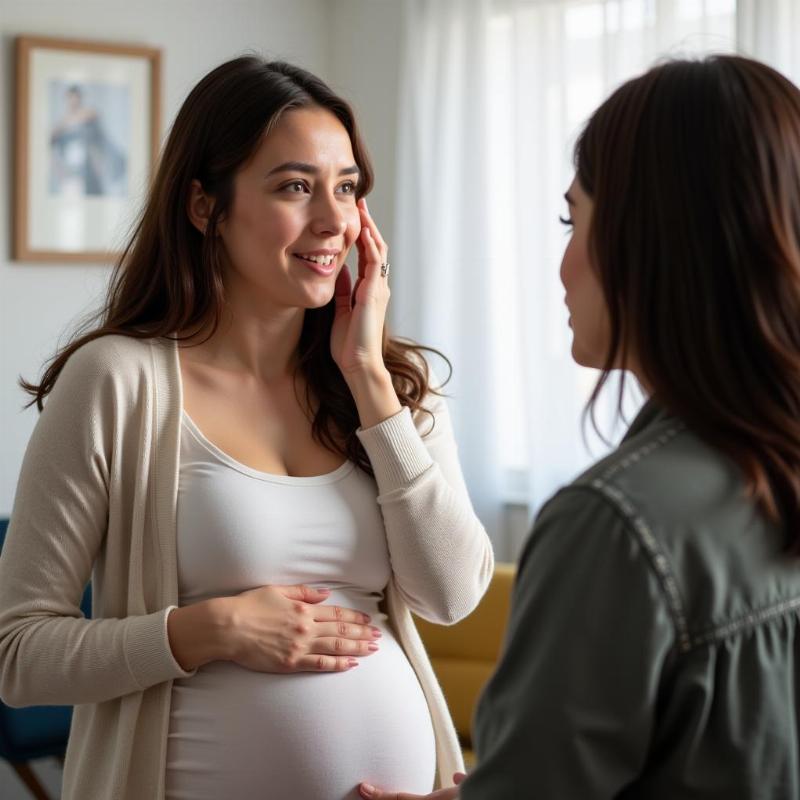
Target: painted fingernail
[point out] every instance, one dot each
(376, 632)
(372, 647)
(324, 591)
(351, 662)
(367, 790)
(366, 617)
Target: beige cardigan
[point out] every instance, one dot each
(97, 498)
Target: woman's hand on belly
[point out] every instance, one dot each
(286, 629)
(277, 629)
(369, 792)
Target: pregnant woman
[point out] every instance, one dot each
(260, 483)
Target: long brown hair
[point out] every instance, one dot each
(694, 172)
(169, 276)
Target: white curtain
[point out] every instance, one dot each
(442, 244)
(770, 31)
(494, 93)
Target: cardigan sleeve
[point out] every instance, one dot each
(441, 556)
(571, 707)
(49, 653)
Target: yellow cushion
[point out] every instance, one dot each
(464, 655)
(462, 681)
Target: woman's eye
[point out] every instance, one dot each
(295, 187)
(566, 221)
(348, 187)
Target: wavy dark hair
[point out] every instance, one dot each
(694, 172)
(169, 277)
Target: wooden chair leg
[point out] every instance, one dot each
(28, 777)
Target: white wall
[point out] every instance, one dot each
(39, 303)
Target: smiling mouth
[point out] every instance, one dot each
(323, 261)
(325, 267)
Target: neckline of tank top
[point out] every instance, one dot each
(340, 472)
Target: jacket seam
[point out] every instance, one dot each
(641, 452)
(658, 561)
(748, 620)
(643, 532)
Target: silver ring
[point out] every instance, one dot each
(385, 269)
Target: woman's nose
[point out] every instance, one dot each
(328, 217)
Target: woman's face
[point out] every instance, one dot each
(584, 296)
(294, 216)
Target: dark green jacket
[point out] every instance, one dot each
(653, 648)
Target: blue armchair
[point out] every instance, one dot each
(37, 731)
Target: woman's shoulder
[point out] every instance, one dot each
(664, 472)
(103, 379)
(113, 353)
(114, 365)
(684, 506)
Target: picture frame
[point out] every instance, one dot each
(88, 121)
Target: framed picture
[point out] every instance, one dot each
(87, 134)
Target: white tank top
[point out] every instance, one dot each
(236, 733)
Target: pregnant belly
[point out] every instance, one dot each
(236, 733)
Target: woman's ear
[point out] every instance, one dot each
(199, 206)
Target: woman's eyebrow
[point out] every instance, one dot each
(309, 169)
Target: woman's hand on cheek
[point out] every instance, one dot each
(369, 792)
(357, 333)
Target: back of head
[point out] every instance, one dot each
(694, 173)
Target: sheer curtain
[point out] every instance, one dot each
(769, 30)
(493, 95)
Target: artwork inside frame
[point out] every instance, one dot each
(87, 137)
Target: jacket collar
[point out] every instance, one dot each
(651, 413)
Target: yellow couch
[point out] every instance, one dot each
(464, 655)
